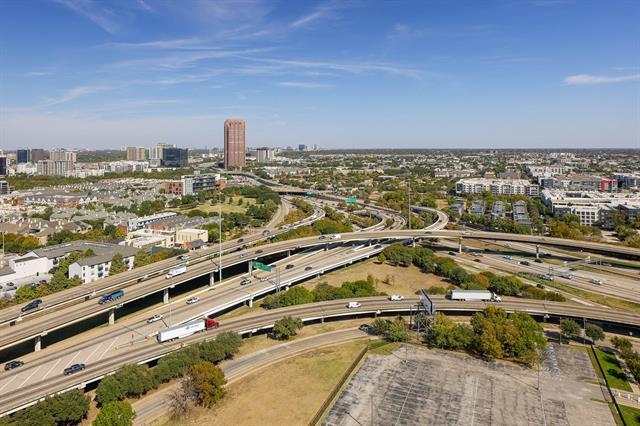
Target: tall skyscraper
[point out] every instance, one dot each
(234, 144)
(22, 156)
(4, 164)
(155, 152)
(136, 153)
(37, 154)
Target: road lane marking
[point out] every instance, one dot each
(108, 347)
(94, 351)
(51, 369)
(72, 359)
(30, 375)
(8, 381)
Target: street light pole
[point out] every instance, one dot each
(220, 236)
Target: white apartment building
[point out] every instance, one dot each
(96, 267)
(587, 205)
(497, 187)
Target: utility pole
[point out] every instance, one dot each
(220, 235)
(409, 196)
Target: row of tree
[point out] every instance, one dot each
(322, 292)
(68, 408)
(133, 381)
(428, 262)
(492, 334)
(630, 356)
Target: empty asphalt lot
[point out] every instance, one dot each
(445, 388)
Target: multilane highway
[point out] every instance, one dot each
(207, 265)
(150, 350)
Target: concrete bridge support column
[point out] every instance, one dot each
(165, 296)
(38, 343)
(537, 251)
(250, 302)
(212, 278)
(288, 253)
(460, 245)
(250, 268)
(112, 316)
(326, 247)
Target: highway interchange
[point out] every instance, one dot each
(131, 339)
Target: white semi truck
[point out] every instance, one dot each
(186, 329)
(176, 271)
(474, 296)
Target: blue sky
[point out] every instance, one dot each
(340, 74)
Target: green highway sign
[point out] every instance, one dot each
(262, 266)
(351, 200)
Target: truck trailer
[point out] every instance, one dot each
(187, 329)
(178, 270)
(106, 298)
(474, 295)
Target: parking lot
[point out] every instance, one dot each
(414, 385)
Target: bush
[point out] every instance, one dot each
(118, 413)
(109, 390)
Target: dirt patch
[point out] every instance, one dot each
(286, 393)
(390, 279)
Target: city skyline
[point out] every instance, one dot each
(511, 74)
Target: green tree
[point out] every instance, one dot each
(446, 334)
(286, 328)
(142, 258)
(594, 332)
(205, 384)
(569, 328)
(117, 265)
(109, 390)
(134, 379)
(380, 327)
(117, 413)
(398, 332)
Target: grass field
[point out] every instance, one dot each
(405, 281)
(212, 206)
(631, 415)
(382, 347)
(287, 393)
(612, 371)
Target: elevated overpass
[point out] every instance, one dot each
(151, 350)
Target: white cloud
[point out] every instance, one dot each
(103, 17)
(304, 85)
(586, 79)
(322, 11)
(70, 95)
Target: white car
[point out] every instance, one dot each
(192, 300)
(396, 297)
(508, 257)
(354, 305)
(154, 319)
(596, 281)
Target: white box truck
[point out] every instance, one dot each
(474, 296)
(176, 271)
(186, 329)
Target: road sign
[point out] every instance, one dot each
(427, 303)
(351, 200)
(258, 265)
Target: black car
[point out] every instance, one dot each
(31, 305)
(378, 246)
(258, 251)
(525, 263)
(452, 253)
(13, 364)
(74, 369)
(364, 327)
(308, 268)
(538, 260)
(540, 285)
(322, 237)
(289, 266)
(241, 240)
(476, 260)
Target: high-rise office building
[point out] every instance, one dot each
(3, 165)
(61, 154)
(22, 156)
(175, 157)
(234, 144)
(136, 153)
(155, 152)
(37, 154)
(265, 155)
